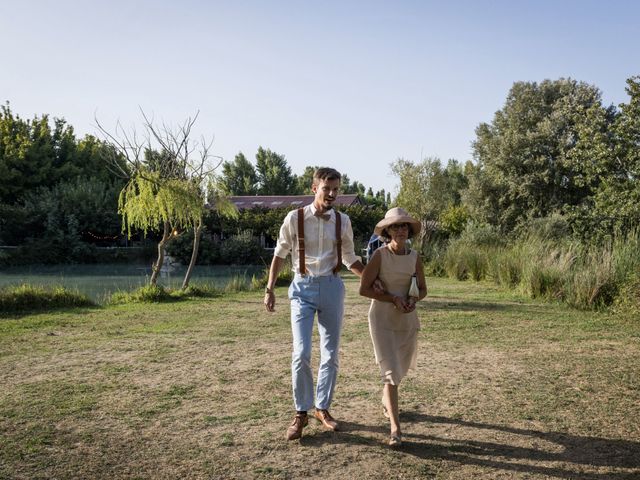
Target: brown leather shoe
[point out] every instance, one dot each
(325, 418)
(295, 429)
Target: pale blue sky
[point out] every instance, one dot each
(354, 85)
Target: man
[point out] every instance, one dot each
(316, 255)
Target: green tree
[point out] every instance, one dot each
(238, 177)
(625, 185)
(304, 181)
(42, 164)
(150, 202)
(454, 219)
(613, 147)
(427, 189)
(167, 186)
(63, 217)
(363, 221)
(527, 169)
(351, 187)
(27, 155)
(274, 174)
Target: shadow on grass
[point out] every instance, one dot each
(17, 315)
(347, 434)
(578, 451)
(470, 306)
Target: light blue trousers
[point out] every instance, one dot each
(308, 295)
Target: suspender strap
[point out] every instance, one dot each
(302, 268)
(338, 266)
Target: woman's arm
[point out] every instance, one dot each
(369, 276)
(422, 281)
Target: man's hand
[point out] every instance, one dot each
(379, 287)
(270, 301)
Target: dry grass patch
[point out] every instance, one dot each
(505, 388)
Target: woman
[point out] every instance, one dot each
(393, 320)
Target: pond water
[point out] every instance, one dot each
(99, 281)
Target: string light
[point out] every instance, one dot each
(99, 237)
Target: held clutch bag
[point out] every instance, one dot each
(413, 289)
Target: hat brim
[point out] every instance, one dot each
(414, 224)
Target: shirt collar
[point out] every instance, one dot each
(313, 209)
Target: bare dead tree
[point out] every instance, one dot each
(162, 155)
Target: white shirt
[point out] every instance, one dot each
(320, 252)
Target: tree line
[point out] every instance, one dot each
(272, 175)
(553, 150)
(57, 194)
(61, 197)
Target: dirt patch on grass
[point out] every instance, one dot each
(202, 389)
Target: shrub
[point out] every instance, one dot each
(200, 291)
(137, 254)
(181, 248)
(554, 228)
(31, 298)
(157, 293)
(144, 294)
(482, 235)
(435, 267)
(242, 249)
(454, 219)
(434, 257)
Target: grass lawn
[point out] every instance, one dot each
(505, 388)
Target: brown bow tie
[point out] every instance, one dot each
(324, 216)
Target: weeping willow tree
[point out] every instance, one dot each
(220, 203)
(168, 176)
(149, 202)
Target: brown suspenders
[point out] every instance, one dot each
(338, 266)
(301, 264)
(302, 268)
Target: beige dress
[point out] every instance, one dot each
(394, 333)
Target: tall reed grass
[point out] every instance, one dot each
(584, 276)
(285, 275)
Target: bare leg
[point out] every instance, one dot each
(390, 401)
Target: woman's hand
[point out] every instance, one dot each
(402, 304)
(411, 301)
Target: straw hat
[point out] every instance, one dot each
(397, 215)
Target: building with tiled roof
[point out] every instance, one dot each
(288, 201)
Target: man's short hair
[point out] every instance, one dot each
(326, 173)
